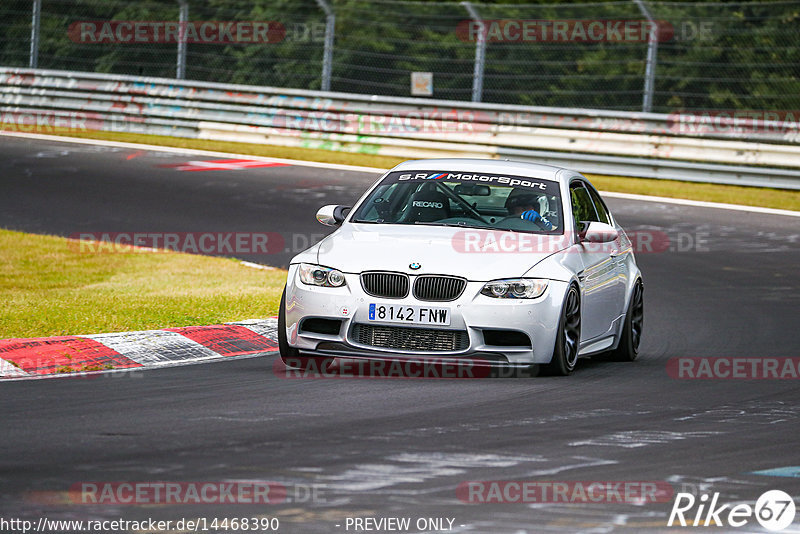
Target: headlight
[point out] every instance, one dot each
(515, 288)
(315, 275)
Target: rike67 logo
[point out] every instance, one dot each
(774, 510)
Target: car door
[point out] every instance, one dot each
(601, 285)
(621, 249)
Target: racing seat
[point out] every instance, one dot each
(428, 205)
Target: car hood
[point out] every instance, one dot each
(469, 253)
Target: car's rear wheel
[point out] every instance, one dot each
(568, 339)
(290, 356)
(628, 348)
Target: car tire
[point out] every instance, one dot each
(628, 348)
(568, 338)
(290, 356)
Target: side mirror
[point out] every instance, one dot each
(332, 215)
(598, 232)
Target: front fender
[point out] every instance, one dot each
(563, 266)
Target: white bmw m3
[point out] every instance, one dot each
(505, 263)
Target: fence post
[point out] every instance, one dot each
(650, 67)
(33, 60)
(327, 56)
(480, 53)
(183, 18)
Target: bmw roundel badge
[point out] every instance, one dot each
(414, 266)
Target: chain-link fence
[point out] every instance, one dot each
(606, 55)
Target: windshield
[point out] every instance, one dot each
(438, 198)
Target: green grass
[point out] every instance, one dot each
(750, 196)
(729, 194)
(48, 287)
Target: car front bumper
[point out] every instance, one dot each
(485, 321)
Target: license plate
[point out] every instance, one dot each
(390, 313)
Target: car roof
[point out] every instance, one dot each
(489, 166)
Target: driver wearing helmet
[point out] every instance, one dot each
(527, 205)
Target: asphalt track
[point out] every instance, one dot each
(401, 447)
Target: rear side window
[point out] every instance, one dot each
(587, 206)
(600, 207)
(582, 206)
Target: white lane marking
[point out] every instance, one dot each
(155, 347)
(584, 461)
(375, 170)
(7, 369)
(408, 468)
(192, 151)
(701, 204)
(631, 439)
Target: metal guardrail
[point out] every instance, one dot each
(595, 141)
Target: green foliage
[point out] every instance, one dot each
(724, 55)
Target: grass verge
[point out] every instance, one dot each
(728, 194)
(48, 288)
(749, 196)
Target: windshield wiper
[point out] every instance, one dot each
(453, 225)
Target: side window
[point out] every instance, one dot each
(600, 207)
(382, 193)
(582, 206)
(388, 202)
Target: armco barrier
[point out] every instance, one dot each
(595, 141)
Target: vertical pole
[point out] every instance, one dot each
(480, 53)
(180, 70)
(327, 56)
(652, 51)
(33, 60)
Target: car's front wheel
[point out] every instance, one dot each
(628, 347)
(291, 356)
(568, 339)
